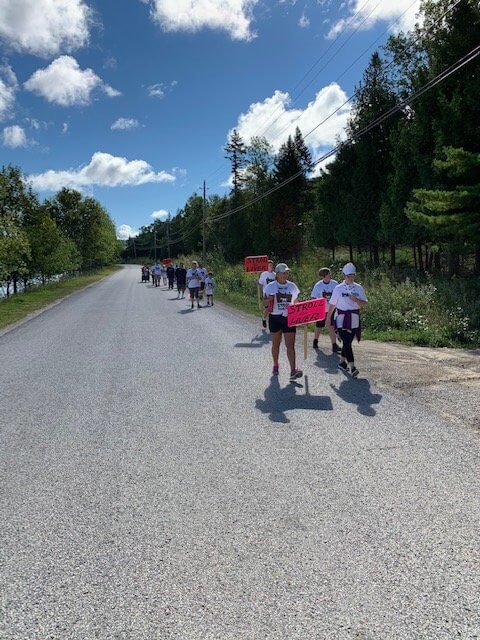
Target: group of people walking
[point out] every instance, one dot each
(197, 279)
(343, 322)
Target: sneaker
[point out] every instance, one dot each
(264, 324)
(315, 343)
(295, 374)
(335, 348)
(275, 370)
(343, 366)
(354, 372)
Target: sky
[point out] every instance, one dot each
(132, 101)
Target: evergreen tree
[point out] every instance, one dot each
(236, 152)
(452, 214)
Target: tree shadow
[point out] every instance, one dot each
(358, 392)
(278, 401)
(257, 342)
(327, 362)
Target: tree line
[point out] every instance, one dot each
(62, 234)
(412, 180)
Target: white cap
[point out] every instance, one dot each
(281, 268)
(349, 269)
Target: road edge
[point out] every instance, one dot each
(51, 305)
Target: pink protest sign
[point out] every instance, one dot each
(254, 264)
(307, 312)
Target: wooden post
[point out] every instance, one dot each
(305, 341)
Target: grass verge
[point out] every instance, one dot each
(21, 305)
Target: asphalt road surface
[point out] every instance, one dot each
(157, 483)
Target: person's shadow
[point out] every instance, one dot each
(358, 392)
(278, 401)
(257, 342)
(327, 362)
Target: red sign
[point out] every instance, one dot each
(307, 312)
(256, 263)
(167, 261)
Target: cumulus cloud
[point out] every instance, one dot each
(304, 22)
(274, 119)
(385, 11)
(8, 88)
(14, 137)
(161, 214)
(125, 231)
(125, 123)
(65, 127)
(44, 27)
(64, 83)
(103, 170)
(232, 16)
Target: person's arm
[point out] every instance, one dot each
(359, 301)
(330, 312)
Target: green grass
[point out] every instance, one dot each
(21, 305)
(404, 305)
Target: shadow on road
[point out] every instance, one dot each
(327, 362)
(257, 342)
(184, 311)
(358, 392)
(278, 401)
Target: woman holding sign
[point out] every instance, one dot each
(279, 295)
(346, 301)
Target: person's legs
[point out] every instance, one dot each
(333, 336)
(276, 341)
(347, 351)
(290, 344)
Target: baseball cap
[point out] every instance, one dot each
(349, 269)
(281, 268)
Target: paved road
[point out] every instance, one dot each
(156, 483)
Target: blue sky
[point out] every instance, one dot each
(132, 101)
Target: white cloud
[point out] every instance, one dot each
(274, 119)
(233, 16)
(44, 27)
(65, 127)
(14, 137)
(103, 170)
(8, 88)
(156, 90)
(125, 123)
(160, 89)
(125, 231)
(64, 83)
(304, 22)
(387, 10)
(161, 214)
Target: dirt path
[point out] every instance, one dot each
(446, 380)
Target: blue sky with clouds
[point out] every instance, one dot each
(132, 101)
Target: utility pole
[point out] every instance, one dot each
(155, 241)
(134, 249)
(204, 221)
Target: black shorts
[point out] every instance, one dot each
(194, 292)
(202, 286)
(279, 323)
(322, 323)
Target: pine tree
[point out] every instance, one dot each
(453, 214)
(236, 152)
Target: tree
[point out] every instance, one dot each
(52, 253)
(453, 214)
(236, 153)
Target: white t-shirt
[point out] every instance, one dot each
(209, 285)
(284, 296)
(202, 272)
(265, 278)
(323, 289)
(342, 300)
(193, 278)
